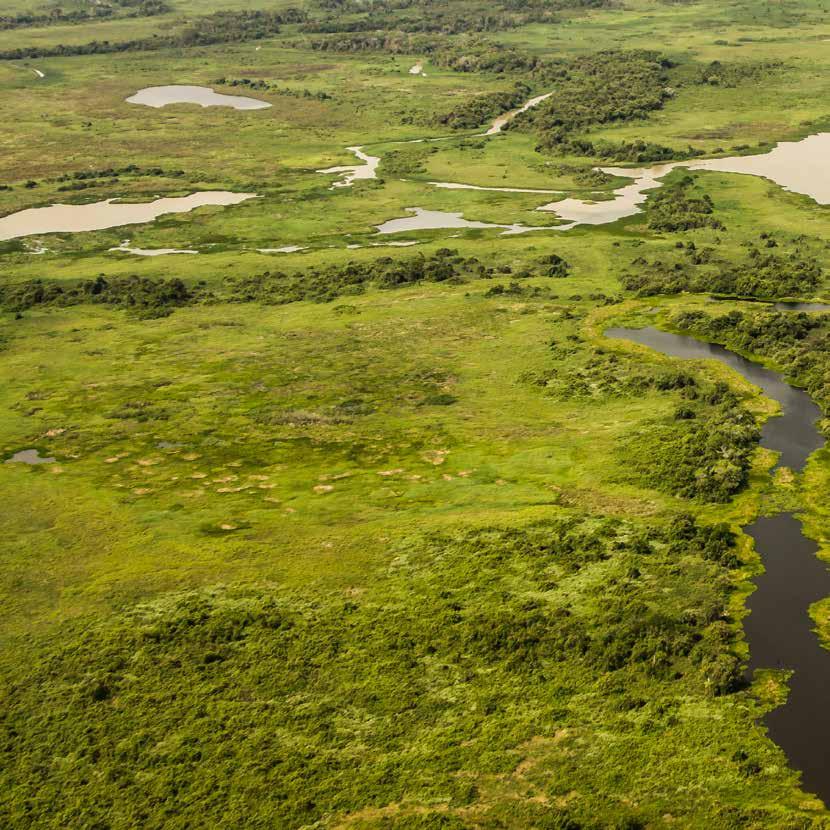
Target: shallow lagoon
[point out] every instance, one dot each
(161, 96)
(97, 216)
(797, 166)
(425, 220)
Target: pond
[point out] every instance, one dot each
(29, 457)
(161, 96)
(97, 216)
(425, 220)
(778, 628)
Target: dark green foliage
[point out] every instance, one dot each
(637, 151)
(355, 26)
(326, 284)
(761, 273)
(601, 88)
(675, 207)
(554, 265)
(717, 73)
(269, 707)
(704, 453)
(483, 108)
(715, 542)
(598, 374)
(150, 297)
(108, 176)
(407, 161)
(516, 289)
(143, 296)
(259, 85)
(220, 27)
(705, 457)
(99, 11)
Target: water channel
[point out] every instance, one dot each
(779, 629)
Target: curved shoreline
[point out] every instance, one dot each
(778, 626)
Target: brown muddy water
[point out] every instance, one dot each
(350, 173)
(97, 216)
(161, 96)
(425, 220)
(779, 630)
(798, 166)
(125, 248)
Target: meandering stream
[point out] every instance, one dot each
(798, 166)
(778, 628)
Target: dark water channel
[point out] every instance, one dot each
(778, 628)
(793, 433)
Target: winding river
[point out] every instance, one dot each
(778, 628)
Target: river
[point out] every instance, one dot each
(779, 629)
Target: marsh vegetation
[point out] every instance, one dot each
(357, 518)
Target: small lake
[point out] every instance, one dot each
(29, 457)
(427, 220)
(778, 628)
(97, 216)
(161, 96)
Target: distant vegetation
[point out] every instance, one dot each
(153, 298)
(97, 11)
(220, 27)
(258, 85)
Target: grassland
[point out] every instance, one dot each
(391, 560)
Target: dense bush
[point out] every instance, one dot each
(703, 451)
(482, 108)
(675, 207)
(220, 27)
(601, 88)
(706, 456)
(58, 16)
(143, 296)
(761, 273)
(270, 707)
